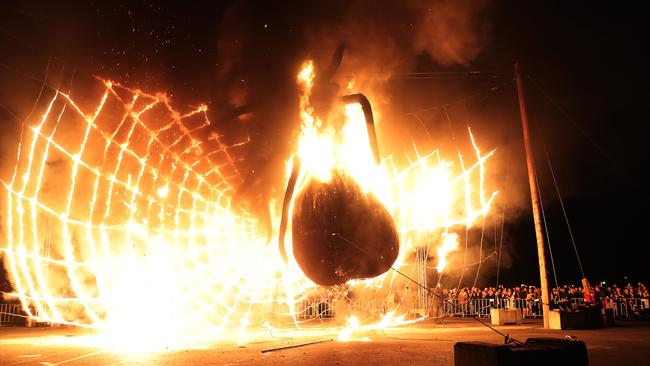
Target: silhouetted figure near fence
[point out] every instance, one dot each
(438, 303)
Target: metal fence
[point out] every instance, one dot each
(530, 308)
(9, 313)
(481, 307)
(311, 309)
(627, 308)
(367, 309)
(624, 308)
(631, 308)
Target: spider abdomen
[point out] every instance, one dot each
(340, 233)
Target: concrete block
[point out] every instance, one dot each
(505, 316)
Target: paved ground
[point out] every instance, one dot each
(627, 343)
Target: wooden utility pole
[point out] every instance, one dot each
(534, 196)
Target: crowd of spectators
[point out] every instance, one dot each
(629, 301)
(519, 292)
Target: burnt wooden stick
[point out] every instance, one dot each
(295, 345)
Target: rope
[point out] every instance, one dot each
(480, 253)
(507, 337)
(503, 221)
(472, 264)
(464, 99)
(566, 218)
(496, 236)
(584, 133)
(548, 237)
(40, 93)
(443, 107)
(451, 123)
(461, 72)
(462, 273)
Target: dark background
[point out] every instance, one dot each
(584, 74)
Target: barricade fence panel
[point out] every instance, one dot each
(623, 308)
(530, 308)
(9, 313)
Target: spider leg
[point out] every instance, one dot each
(295, 171)
(288, 194)
(370, 121)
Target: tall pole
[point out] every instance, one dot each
(534, 196)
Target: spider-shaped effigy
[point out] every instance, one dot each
(339, 232)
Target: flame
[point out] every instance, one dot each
(162, 191)
(354, 326)
(427, 196)
(346, 333)
(449, 244)
(119, 217)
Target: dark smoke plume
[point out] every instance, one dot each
(261, 54)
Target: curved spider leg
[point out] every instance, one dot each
(370, 121)
(288, 194)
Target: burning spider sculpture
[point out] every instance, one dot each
(339, 232)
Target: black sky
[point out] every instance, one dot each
(587, 58)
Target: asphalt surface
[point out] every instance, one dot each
(627, 343)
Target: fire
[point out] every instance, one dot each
(322, 149)
(119, 218)
(425, 197)
(353, 325)
(162, 191)
(353, 329)
(449, 243)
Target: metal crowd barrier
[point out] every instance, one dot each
(311, 309)
(623, 308)
(627, 308)
(367, 309)
(481, 307)
(9, 313)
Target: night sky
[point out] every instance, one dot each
(584, 75)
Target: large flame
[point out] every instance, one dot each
(120, 218)
(423, 197)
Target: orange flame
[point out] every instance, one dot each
(424, 197)
(121, 218)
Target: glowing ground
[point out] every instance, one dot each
(625, 344)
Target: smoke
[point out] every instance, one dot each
(452, 32)
(259, 57)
